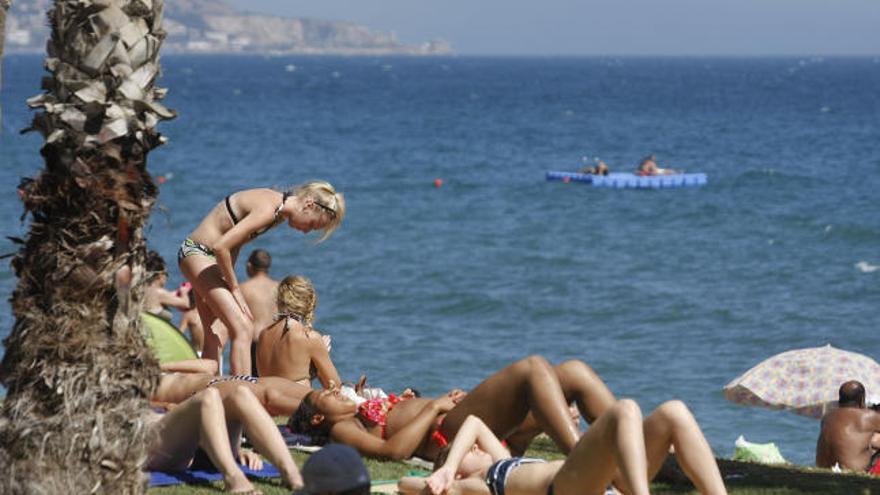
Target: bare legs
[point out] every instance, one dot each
(198, 421)
(581, 385)
(216, 301)
(620, 441)
(504, 399)
(673, 424)
(244, 407)
(614, 442)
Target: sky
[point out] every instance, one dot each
(610, 27)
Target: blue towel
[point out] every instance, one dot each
(161, 478)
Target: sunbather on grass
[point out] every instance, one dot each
(618, 444)
(214, 422)
(290, 347)
(279, 396)
(398, 429)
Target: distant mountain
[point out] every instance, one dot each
(211, 26)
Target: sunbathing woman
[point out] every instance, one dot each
(211, 421)
(157, 299)
(398, 429)
(291, 348)
(619, 444)
(207, 257)
(180, 380)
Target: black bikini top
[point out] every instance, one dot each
(265, 229)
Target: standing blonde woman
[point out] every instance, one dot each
(291, 348)
(207, 256)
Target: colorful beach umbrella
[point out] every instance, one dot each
(805, 381)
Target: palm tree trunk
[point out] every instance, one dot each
(77, 368)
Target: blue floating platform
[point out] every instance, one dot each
(620, 180)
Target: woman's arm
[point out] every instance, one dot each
(169, 298)
(321, 359)
(191, 366)
(411, 485)
(227, 246)
(402, 444)
(472, 432)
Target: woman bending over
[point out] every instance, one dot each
(207, 257)
(397, 429)
(291, 348)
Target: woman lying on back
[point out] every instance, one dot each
(618, 445)
(211, 420)
(398, 429)
(291, 348)
(180, 380)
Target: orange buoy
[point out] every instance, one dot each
(160, 179)
(438, 182)
(566, 179)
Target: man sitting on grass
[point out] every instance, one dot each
(850, 435)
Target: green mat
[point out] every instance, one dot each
(166, 340)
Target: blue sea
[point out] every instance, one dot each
(666, 293)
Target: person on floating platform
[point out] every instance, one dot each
(619, 446)
(207, 256)
(649, 167)
(601, 168)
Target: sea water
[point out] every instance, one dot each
(665, 293)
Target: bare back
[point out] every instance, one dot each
(846, 438)
(291, 354)
(260, 292)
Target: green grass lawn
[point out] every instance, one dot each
(741, 478)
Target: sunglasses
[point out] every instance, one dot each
(330, 211)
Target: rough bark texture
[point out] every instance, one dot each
(77, 367)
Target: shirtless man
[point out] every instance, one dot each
(259, 290)
(850, 434)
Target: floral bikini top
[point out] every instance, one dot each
(375, 411)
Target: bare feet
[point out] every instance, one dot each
(238, 484)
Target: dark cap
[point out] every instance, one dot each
(333, 469)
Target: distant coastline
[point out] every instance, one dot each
(212, 27)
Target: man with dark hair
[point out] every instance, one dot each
(336, 469)
(260, 291)
(850, 435)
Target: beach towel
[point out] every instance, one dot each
(207, 474)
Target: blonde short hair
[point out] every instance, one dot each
(327, 198)
(296, 295)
